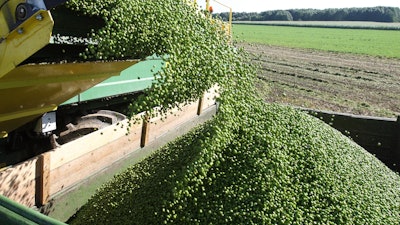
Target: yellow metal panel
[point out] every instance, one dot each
(25, 113)
(31, 90)
(25, 40)
(7, 15)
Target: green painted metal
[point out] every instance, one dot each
(12, 213)
(133, 79)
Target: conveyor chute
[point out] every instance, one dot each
(29, 91)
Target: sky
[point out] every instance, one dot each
(265, 5)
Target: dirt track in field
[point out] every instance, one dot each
(349, 83)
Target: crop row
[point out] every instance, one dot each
(329, 76)
(358, 84)
(350, 62)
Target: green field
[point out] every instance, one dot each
(383, 43)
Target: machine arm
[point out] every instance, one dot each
(25, 28)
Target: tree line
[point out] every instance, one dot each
(375, 14)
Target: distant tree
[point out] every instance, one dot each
(377, 14)
(394, 13)
(283, 15)
(276, 15)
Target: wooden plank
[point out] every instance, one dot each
(92, 162)
(19, 182)
(74, 162)
(75, 149)
(73, 172)
(200, 106)
(160, 127)
(43, 185)
(145, 131)
(209, 97)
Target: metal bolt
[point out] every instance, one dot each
(20, 30)
(39, 17)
